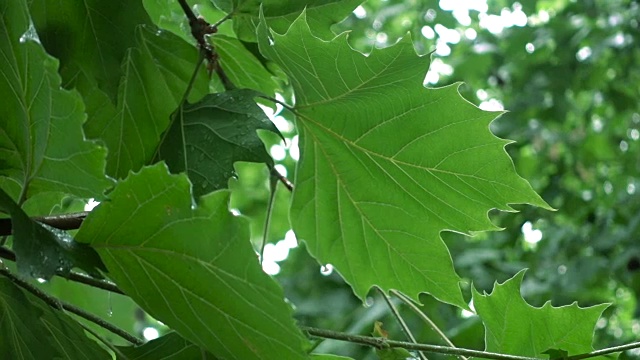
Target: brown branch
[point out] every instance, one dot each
(70, 221)
(61, 305)
(72, 275)
(283, 179)
(381, 343)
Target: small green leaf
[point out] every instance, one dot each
(23, 336)
(207, 137)
(386, 164)
(557, 354)
(514, 327)
(244, 69)
(389, 353)
(280, 14)
(192, 267)
(42, 147)
(168, 347)
(42, 250)
(156, 74)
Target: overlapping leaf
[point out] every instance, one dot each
(22, 336)
(90, 37)
(41, 250)
(387, 164)
(192, 267)
(42, 147)
(243, 69)
(281, 13)
(514, 327)
(207, 137)
(33, 330)
(156, 74)
(168, 347)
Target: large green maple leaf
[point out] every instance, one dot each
(514, 327)
(387, 164)
(192, 266)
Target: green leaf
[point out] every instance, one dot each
(387, 164)
(556, 354)
(244, 69)
(280, 14)
(42, 147)
(207, 137)
(90, 37)
(23, 336)
(192, 267)
(67, 335)
(40, 332)
(156, 74)
(168, 347)
(514, 327)
(42, 250)
(328, 357)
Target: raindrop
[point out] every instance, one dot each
(109, 307)
(326, 270)
(30, 34)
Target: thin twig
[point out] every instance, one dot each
(72, 275)
(282, 103)
(69, 221)
(283, 179)
(61, 305)
(611, 350)
(103, 340)
(273, 182)
(225, 18)
(381, 343)
(425, 318)
(400, 320)
(187, 10)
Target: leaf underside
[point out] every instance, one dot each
(208, 137)
(192, 267)
(387, 164)
(33, 330)
(514, 327)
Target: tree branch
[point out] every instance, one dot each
(61, 305)
(380, 343)
(283, 179)
(70, 221)
(426, 319)
(72, 275)
(400, 320)
(611, 350)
